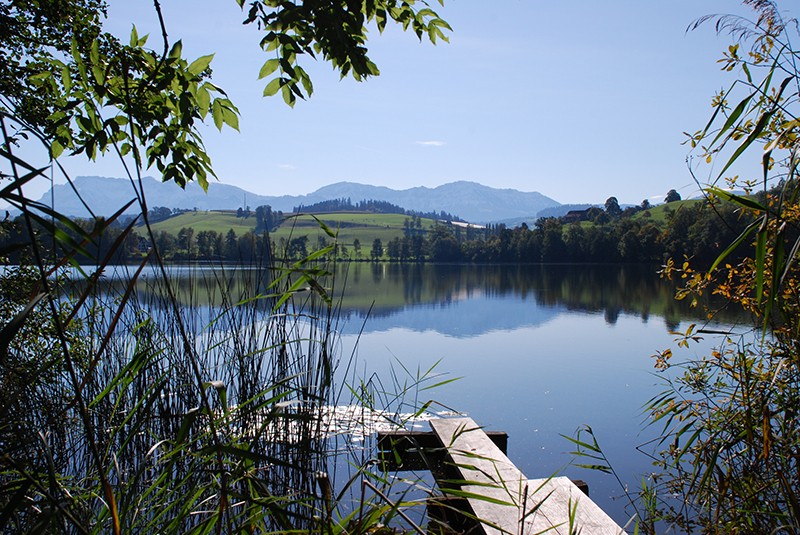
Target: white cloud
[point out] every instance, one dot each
(430, 143)
(287, 167)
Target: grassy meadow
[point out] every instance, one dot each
(200, 220)
(349, 225)
(658, 214)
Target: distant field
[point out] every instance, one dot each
(207, 220)
(658, 214)
(349, 225)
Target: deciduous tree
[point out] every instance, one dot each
(672, 196)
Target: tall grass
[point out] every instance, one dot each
(192, 415)
(154, 404)
(197, 404)
(134, 401)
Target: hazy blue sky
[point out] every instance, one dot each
(579, 100)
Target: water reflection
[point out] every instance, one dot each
(540, 349)
(488, 298)
(476, 298)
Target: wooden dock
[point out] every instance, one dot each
(495, 497)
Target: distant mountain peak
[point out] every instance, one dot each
(468, 200)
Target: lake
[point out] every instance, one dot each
(538, 351)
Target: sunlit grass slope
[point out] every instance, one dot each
(349, 225)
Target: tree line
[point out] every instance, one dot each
(373, 206)
(699, 230)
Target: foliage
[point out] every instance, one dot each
(83, 90)
(728, 459)
(119, 415)
(32, 34)
(672, 196)
(335, 30)
(700, 229)
(266, 219)
(612, 207)
(369, 205)
(377, 249)
(103, 95)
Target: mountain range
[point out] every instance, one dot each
(471, 201)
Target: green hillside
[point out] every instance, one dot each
(658, 214)
(349, 225)
(206, 220)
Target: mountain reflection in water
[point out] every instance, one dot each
(539, 350)
(469, 300)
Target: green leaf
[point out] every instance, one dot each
(230, 118)
(40, 76)
(317, 287)
(735, 114)
(200, 64)
(755, 134)
(762, 123)
(11, 328)
(268, 68)
(325, 228)
(94, 53)
(298, 285)
(738, 241)
(288, 96)
(747, 73)
(761, 253)
(305, 79)
(747, 202)
(441, 383)
(176, 50)
(66, 79)
(217, 114)
(186, 424)
(475, 495)
(273, 87)
(202, 181)
(203, 100)
(56, 149)
(8, 191)
(373, 69)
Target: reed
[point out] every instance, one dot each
(175, 400)
(137, 401)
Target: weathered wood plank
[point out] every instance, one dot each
(563, 496)
(498, 492)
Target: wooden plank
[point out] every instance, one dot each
(419, 450)
(563, 496)
(498, 492)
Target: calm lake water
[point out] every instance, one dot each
(538, 352)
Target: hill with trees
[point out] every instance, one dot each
(698, 229)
